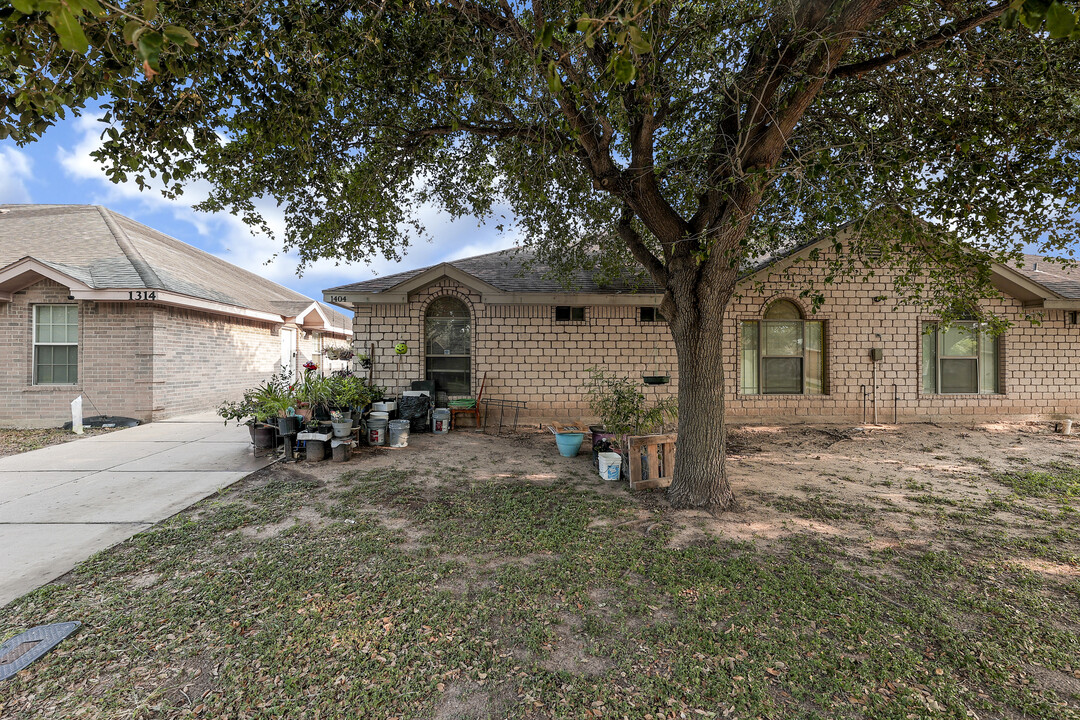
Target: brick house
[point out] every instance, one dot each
(139, 323)
(534, 341)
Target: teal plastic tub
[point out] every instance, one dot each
(569, 443)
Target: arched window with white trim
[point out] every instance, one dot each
(782, 354)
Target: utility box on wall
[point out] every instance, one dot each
(876, 354)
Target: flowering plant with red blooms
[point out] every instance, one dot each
(310, 366)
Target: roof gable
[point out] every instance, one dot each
(109, 255)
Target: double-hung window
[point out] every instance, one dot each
(56, 344)
(960, 358)
(782, 353)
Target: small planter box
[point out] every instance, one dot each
(650, 460)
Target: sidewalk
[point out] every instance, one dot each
(61, 504)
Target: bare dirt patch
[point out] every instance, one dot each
(884, 485)
(467, 701)
(1065, 685)
(303, 516)
(14, 440)
(572, 651)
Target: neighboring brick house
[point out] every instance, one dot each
(534, 341)
(139, 323)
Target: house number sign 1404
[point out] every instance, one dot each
(142, 295)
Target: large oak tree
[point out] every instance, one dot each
(685, 136)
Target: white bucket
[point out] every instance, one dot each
(376, 431)
(440, 421)
(386, 407)
(399, 433)
(610, 464)
(379, 416)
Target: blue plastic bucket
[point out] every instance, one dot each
(569, 443)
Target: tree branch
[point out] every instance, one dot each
(638, 249)
(929, 43)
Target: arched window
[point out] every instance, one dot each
(782, 353)
(448, 345)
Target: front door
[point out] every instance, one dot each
(288, 351)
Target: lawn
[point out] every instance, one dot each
(500, 580)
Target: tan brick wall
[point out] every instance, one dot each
(1038, 376)
(520, 349)
(115, 360)
(528, 356)
(138, 360)
(202, 359)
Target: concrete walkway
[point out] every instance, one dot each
(61, 504)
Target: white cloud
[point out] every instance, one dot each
(15, 171)
(228, 237)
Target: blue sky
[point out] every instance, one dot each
(58, 169)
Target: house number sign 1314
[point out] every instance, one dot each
(142, 295)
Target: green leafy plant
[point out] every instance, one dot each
(239, 411)
(623, 408)
(272, 398)
(338, 352)
(276, 396)
(315, 390)
(349, 391)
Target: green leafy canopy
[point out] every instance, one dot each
(685, 136)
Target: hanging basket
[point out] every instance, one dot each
(656, 379)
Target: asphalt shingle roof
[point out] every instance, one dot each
(513, 271)
(1065, 281)
(103, 250)
(517, 270)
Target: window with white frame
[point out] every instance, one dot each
(959, 358)
(56, 344)
(782, 353)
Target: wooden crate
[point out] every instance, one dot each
(651, 460)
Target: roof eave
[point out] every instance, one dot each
(26, 271)
(1016, 284)
(173, 299)
(400, 291)
(325, 325)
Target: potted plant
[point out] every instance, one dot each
(315, 393)
(276, 400)
(350, 393)
(251, 412)
(624, 411)
(337, 352)
(342, 425)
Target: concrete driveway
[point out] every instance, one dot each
(61, 504)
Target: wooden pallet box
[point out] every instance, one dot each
(650, 460)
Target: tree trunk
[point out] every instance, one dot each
(700, 479)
